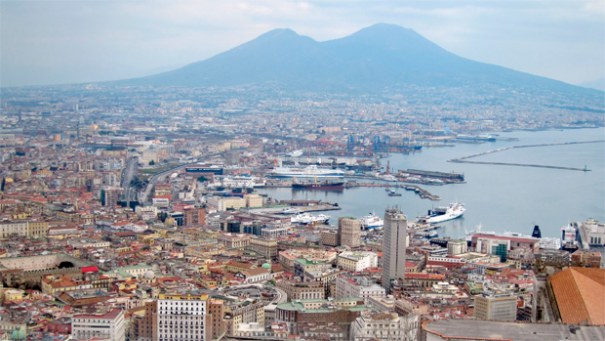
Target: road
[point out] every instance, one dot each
(145, 196)
(128, 174)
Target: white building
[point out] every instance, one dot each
(593, 232)
(357, 286)
(385, 326)
(147, 212)
(109, 326)
(356, 261)
(180, 318)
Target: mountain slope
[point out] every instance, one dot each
(375, 58)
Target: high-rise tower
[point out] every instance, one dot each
(393, 246)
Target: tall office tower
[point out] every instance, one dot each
(349, 230)
(393, 246)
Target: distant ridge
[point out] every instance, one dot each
(378, 58)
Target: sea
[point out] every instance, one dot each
(497, 198)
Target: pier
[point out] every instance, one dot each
(421, 192)
(310, 205)
(465, 159)
(453, 177)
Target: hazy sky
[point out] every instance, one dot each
(49, 42)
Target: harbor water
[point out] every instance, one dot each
(497, 198)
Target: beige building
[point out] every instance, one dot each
(496, 307)
(349, 230)
(456, 247)
(264, 247)
(235, 240)
(329, 238)
(302, 290)
(224, 203)
(247, 311)
(253, 200)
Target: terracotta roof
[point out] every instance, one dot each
(580, 295)
(110, 315)
(256, 271)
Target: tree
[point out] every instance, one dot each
(151, 163)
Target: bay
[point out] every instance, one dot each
(497, 198)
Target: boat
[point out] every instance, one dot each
(392, 193)
(325, 184)
(569, 237)
(306, 219)
(308, 172)
(291, 210)
(371, 222)
(441, 214)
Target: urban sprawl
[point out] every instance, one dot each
(134, 214)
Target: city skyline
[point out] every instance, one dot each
(69, 42)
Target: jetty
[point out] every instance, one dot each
(310, 205)
(585, 169)
(421, 192)
(465, 159)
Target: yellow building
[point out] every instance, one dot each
(253, 200)
(32, 229)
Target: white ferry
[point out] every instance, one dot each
(441, 214)
(306, 219)
(371, 222)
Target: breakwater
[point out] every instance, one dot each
(465, 159)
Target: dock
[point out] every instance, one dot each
(454, 177)
(421, 192)
(310, 205)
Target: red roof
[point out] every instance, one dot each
(92, 268)
(580, 295)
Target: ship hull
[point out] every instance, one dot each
(323, 186)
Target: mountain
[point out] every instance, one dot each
(377, 58)
(598, 84)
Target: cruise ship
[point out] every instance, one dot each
(371, 222)
(307, 172)
(441, 214)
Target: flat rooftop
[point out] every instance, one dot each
(496, 331)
